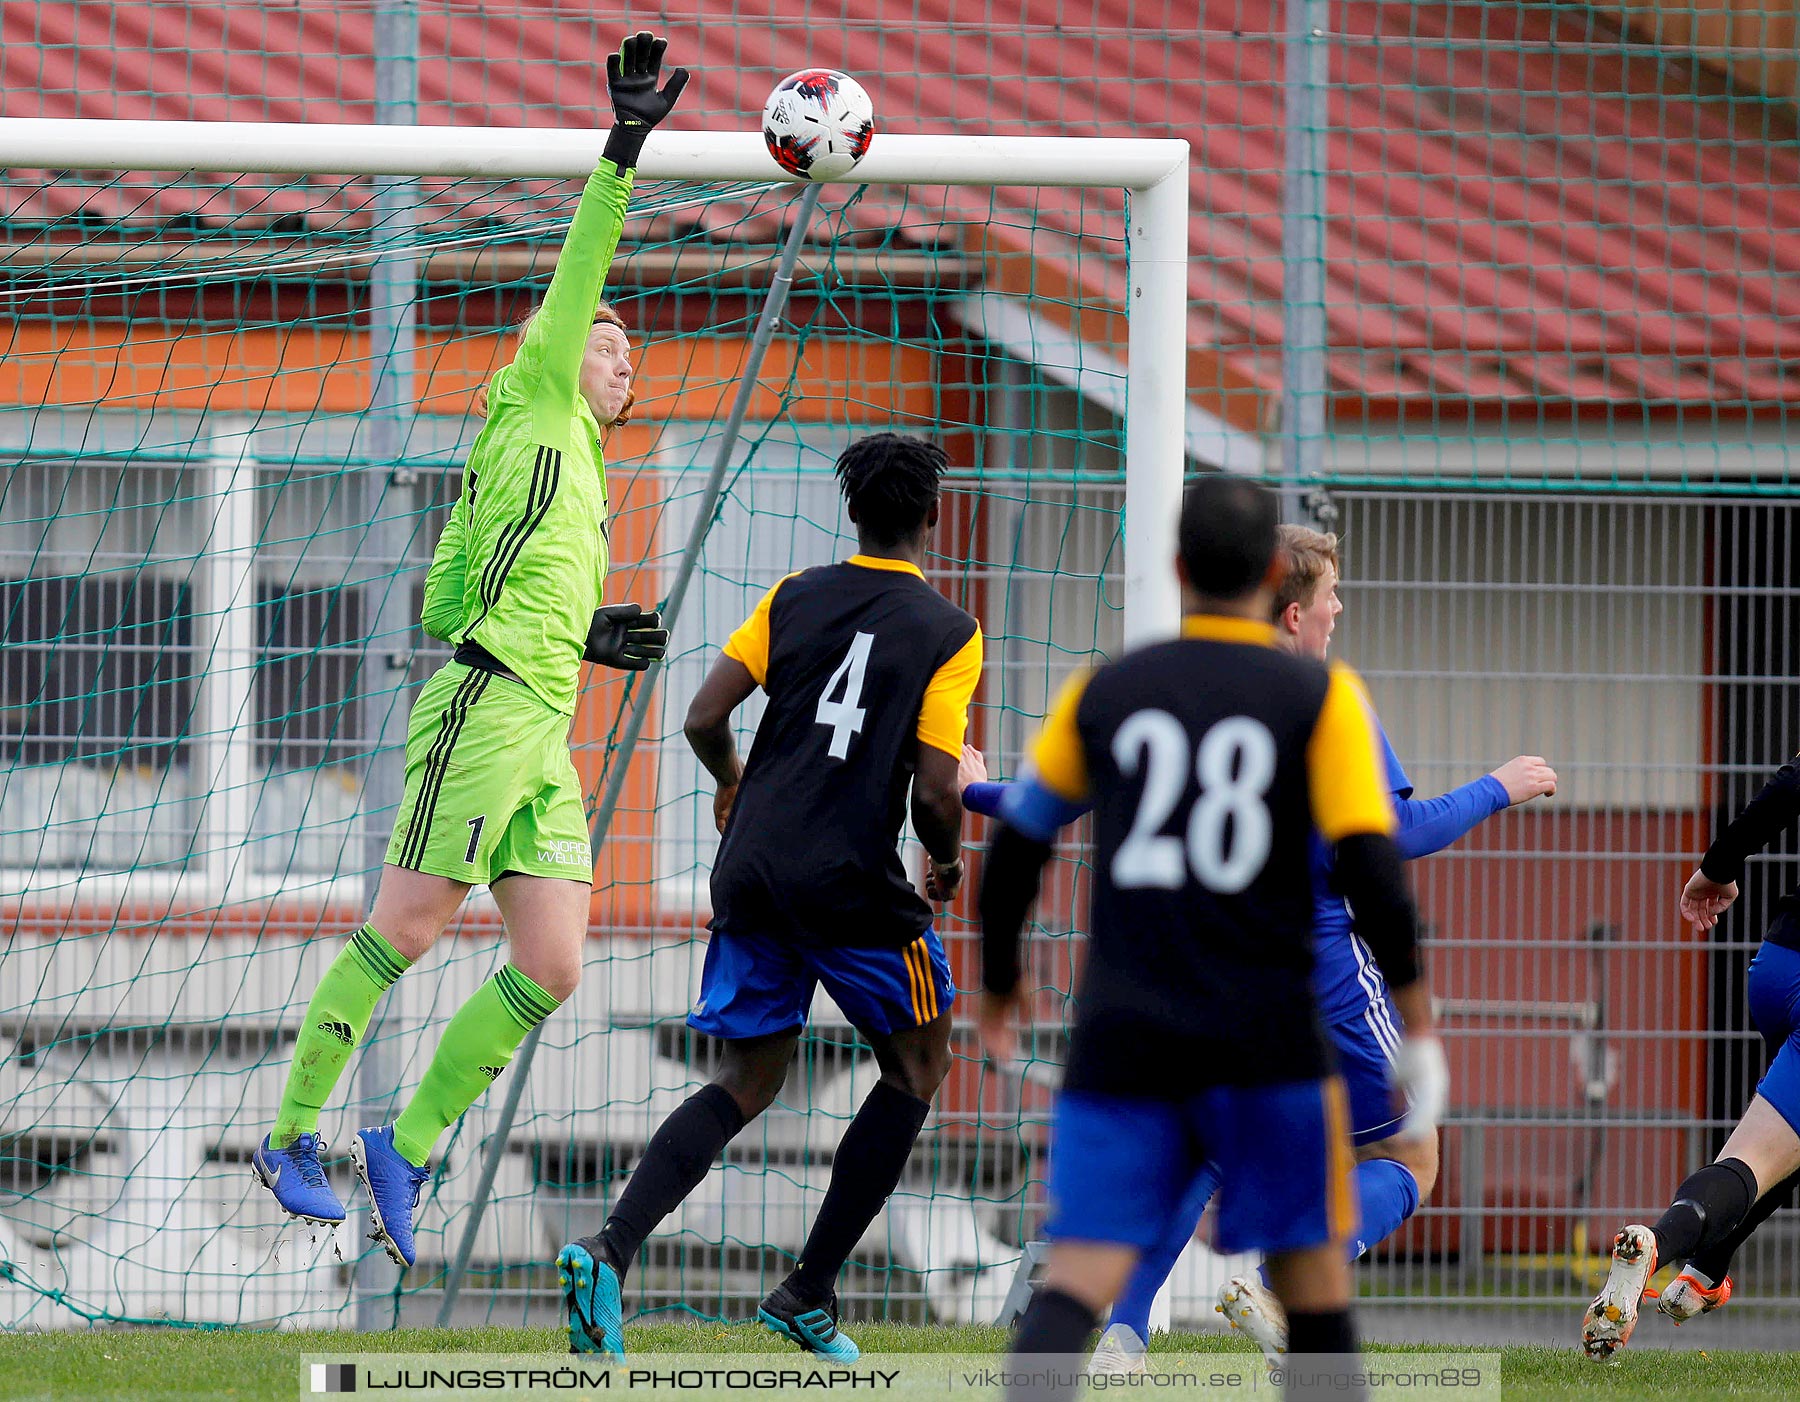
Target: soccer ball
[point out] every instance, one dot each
(818, 123)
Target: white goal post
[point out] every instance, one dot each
(1154, 172)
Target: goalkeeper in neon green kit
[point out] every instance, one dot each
(492, 796)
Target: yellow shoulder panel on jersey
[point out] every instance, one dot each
(944, 713)
(1343, 764)
(750, 643)
(1057, 757)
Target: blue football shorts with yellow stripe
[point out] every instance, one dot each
(754, 985)
(1282, 1153)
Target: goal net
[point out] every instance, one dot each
(234, 409)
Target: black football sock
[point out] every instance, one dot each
(1322, 1332)
(1706, 1209)
(869, 1160)
(1053, 1323)
(1714, 1262)
(676, 1159)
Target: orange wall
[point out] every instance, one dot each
(312, 369)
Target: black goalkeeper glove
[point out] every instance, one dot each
(624, 636)
(631, 76)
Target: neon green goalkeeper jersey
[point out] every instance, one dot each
(520, 566)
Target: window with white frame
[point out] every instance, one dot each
(130, 664)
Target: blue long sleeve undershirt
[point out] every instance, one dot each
(984, 798)
(1426, 825)
(1430, 825)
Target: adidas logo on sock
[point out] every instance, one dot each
(340, 1030)
(491, 1072)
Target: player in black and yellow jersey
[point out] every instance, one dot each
(1209, 762)
(869, 672)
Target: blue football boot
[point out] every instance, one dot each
(394, 1186)
(297, 1179)
(591, 1287)
(813, 1326)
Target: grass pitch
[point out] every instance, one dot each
(167, 1365)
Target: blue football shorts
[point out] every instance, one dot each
(1774, 987)
(756, 985)
(1365, 1031)
(1121, 1166)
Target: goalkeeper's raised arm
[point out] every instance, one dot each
(555, 359)
(492, 797)
(518, 574)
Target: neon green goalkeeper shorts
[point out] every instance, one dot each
(490, 786)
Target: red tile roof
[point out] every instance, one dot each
(1520, 208)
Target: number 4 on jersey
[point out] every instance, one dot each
(844, 715)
